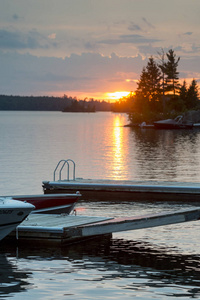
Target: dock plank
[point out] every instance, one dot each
(94, 189)
(51, 228)
(65, 229)
(38, 222)
(133, 223)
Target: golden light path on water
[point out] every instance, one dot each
(117, 148)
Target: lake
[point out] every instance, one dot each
(155, 263)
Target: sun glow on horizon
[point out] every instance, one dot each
(117, 95)
(106, 96)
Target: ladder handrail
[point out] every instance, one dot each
(65, 161)
(54, 173)
(62, 168)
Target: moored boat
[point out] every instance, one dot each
(51, 203)
(12, 213)
(176, 123)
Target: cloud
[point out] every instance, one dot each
(15, 17)
(18, 40)
(87, 73)
(188, 33)
(188, 49)
(195, 49)
(134, 38)
(90, 46)
(130, 39)
(147, 23)
(52, 36)
(148, 50)
(134, 27)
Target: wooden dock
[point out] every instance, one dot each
(64, 229)
(126, 190)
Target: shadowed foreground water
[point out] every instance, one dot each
(109, 269)
(155, 263)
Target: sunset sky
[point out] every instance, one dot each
(92, 48)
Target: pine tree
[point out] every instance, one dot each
(170, 69)
(161, 65)
(183, 92)
(192, 95)
(149, 86)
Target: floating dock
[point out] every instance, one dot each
(103, 190)
(126, 190)
(64, 229)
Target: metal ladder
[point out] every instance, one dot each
(61, 164)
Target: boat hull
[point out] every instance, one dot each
(172, 126)
(176, 123)
(12, 213)
(51, 203)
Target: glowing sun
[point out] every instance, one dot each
(117, 95)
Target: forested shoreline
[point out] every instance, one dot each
(159, 93)
(46, 103)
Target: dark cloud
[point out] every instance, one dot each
(148, 50)
(19, 40)
(134, 27)
(135, 38)
(193, 49)
(87, 72)
(188, 33)
(90, 46)
(148, 23)
(130, 39)
(177, 49)
(15, 17)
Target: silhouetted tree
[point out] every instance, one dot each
(149, 86)
(170, 69)
(160, 81)
(183, 93)
(192, 95)
(161, 65)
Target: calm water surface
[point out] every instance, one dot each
(157, 263)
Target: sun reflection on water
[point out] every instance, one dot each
(117, 150)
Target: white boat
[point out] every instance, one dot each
(176, 123)
(12, 213)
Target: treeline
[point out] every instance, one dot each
(90, 105)
(46, 103)
(33, 103)
(159, 93)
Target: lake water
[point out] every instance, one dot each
(156, 263)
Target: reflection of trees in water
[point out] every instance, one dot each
(11, 279)
(146, 261)
(155, 267)
(166, 154)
